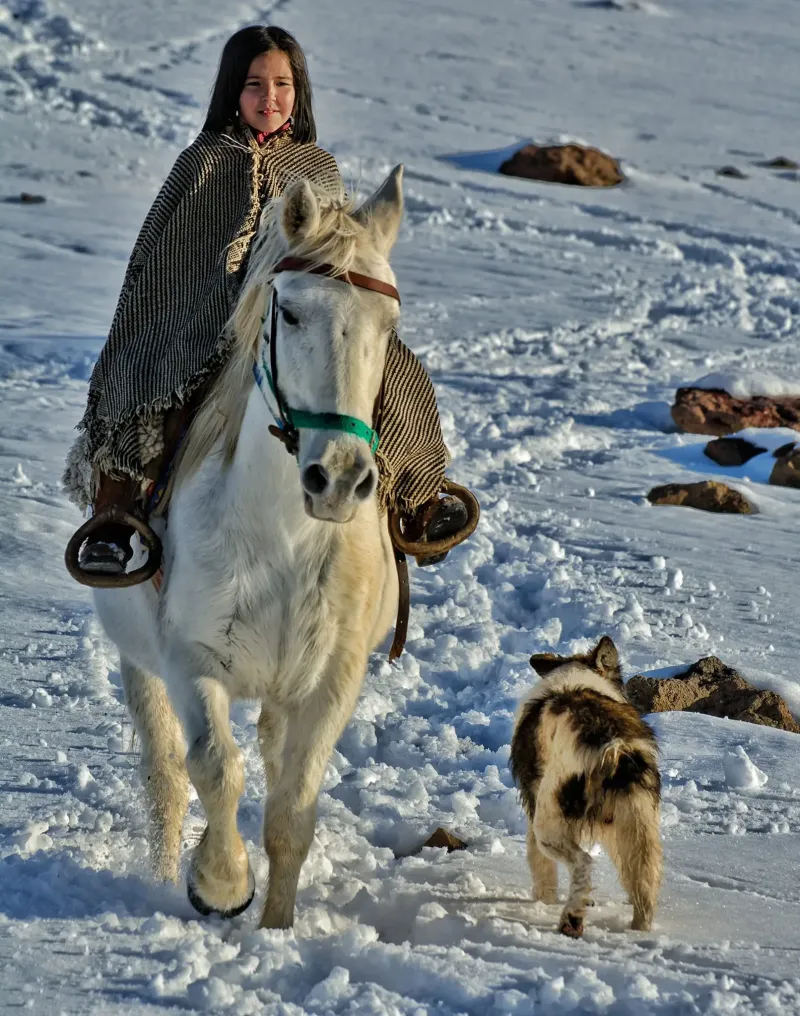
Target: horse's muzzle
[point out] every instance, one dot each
(335, 496)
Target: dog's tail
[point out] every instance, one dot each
(603, 776)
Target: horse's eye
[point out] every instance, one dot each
(288, 317)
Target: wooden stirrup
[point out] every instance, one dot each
(430, 548)
(104, 580)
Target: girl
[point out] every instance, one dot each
(167, 338)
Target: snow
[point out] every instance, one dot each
(747, 385)
(557, 324)
(740, 772)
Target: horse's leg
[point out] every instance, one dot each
(163, 769)
(272, 726)
(220, 879)
(291, 810)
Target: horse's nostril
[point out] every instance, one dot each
(315, 479)
(366, 487)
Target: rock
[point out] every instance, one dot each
(572, 164)
(732, 451)
(443, 838)
(784, 449)
(733, 172)
(715, 689)
(706, 496)
(781, 162)
(713, 411)
(786, 471)
(31, 199)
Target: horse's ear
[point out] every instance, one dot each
(299, 213)
(382, 213)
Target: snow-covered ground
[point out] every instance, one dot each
(556, 323)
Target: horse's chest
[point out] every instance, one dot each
(270, 633)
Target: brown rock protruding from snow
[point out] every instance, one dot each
(732, 451)
(714, 411)
(706, 496)
(571, 164)
(780, 162)
(444, 838)
(786, 471)
(711, 687)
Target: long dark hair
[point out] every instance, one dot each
(239, 52)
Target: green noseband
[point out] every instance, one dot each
(292, 420)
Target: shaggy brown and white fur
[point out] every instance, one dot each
(587, 768)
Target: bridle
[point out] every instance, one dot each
(289, 422)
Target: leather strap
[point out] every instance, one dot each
(292, 264)
(273, 376)
(403, 605)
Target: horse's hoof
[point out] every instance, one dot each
(205, 909)
(571, 926)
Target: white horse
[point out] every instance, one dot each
(264, 595)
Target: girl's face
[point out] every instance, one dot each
(267, 99)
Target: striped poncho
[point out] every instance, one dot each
(167, 336)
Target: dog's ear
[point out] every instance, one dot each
(543, 663)
(604, 659)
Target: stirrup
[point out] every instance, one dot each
(105, 580)
(432, 548)
(105, 556)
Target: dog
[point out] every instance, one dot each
(586, 765)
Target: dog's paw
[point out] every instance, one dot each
(571, 925)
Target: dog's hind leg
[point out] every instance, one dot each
(556, 841)
(544, 871)
(634, 843)
(163, 769)
(579, 864)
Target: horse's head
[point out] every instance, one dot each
(330, 338)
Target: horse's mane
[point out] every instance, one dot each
(334, 242)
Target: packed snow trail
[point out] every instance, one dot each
(557, 324)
